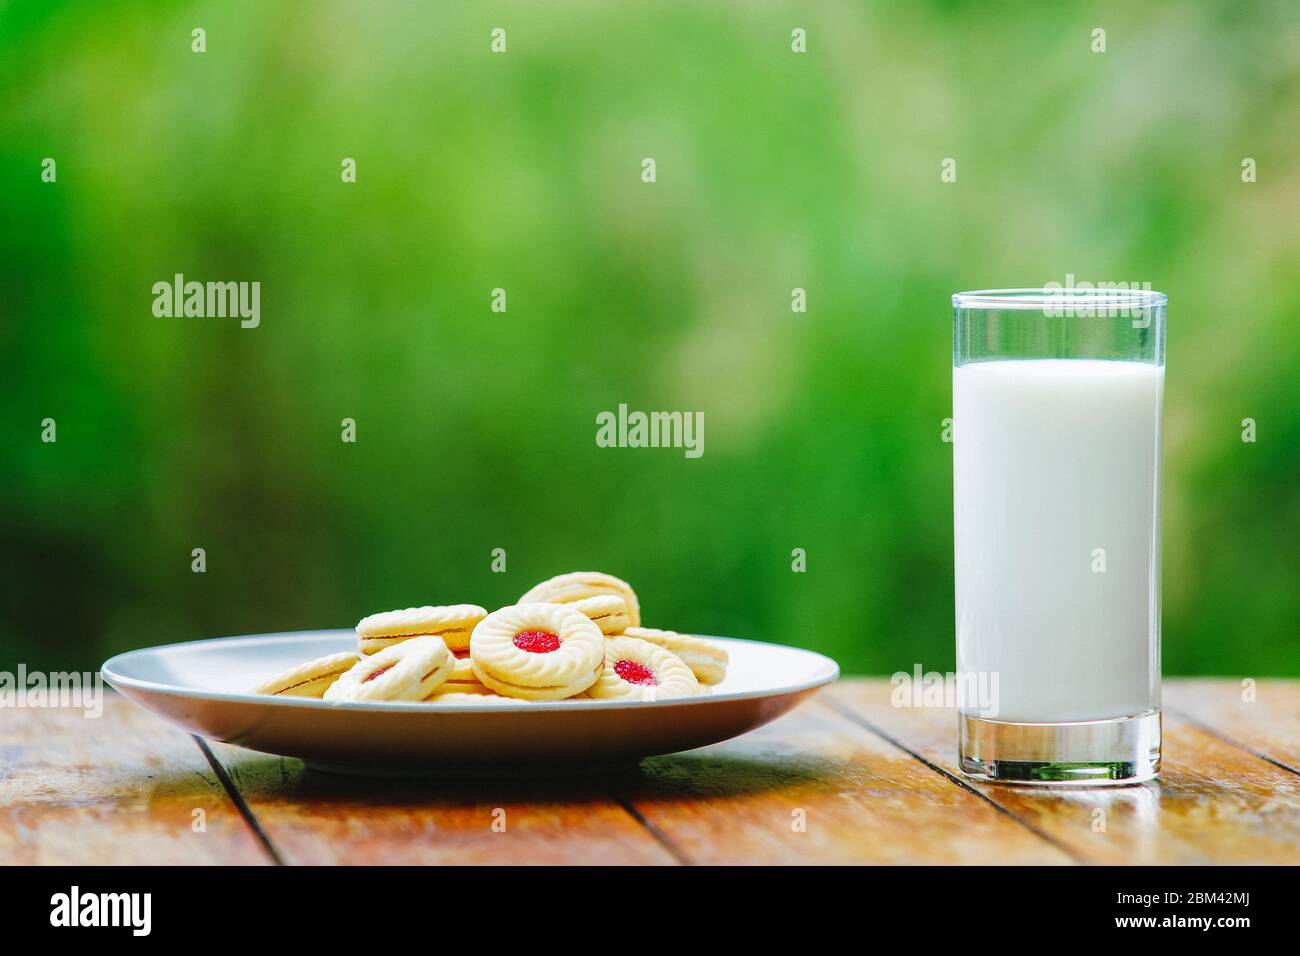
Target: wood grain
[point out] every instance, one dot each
(859, 799)
(845, 779)
(1265, 720)
(1213, 803)
(120, 788)
(312, 818)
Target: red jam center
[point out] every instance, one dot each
(373, 674)
(537, 642)
(635, 673)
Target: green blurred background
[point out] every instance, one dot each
(475, 430)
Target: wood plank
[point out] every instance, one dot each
(315, 818)
(862, 800)
(118, 789)
(1214, 803)
(1268, 725)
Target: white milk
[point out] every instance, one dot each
(1053, 459)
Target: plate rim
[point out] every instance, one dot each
(830, 674)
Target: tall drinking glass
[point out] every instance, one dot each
(1057, 399)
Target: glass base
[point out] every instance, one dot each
(1080, 753)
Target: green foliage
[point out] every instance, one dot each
(475, 430)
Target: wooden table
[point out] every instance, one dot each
(845, 779)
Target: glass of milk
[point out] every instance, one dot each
(1057, 398)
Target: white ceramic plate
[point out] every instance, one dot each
(202, 687)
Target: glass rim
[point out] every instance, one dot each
(1048, 297)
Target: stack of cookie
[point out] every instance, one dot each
(577, 635)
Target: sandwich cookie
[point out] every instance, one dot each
(411, 670)
(310, 679)
(537, 651)
(451, 622)
(607, 611)
(707, 661)
(638, 670)
(472, 694)
(462, 675)
(576, 585)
